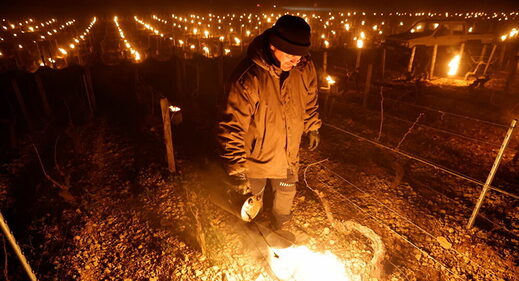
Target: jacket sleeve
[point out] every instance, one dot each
(312, 120)
(235, 122)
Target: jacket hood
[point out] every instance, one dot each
(259, 52)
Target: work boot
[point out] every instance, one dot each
(281, 222)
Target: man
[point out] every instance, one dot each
(271, 103)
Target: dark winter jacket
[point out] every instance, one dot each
(265, 116)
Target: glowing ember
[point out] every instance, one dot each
(454, 65)
(301, 264)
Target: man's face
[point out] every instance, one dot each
(286, 61)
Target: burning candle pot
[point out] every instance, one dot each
(176, 114)
(292, 262)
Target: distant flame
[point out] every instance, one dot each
(360, 43)
(326, 44)
(454, 65)
(301, 264)
(330, 80)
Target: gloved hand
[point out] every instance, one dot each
(239, 183)
(313, 140)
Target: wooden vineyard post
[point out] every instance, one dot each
(168, 136)
(220, 64)
(367, 86)
(490, 58)
(483, 53)
(43, 95)
(512, 70)
(16, 248)
(21, 102)
(40, 54)
(383, 71)
(325, 62)
(179, 76)
(491, 175)
(462, 50)
(357, 61)
(88, 78)
(502, 56)
(433, 61)
(87, 94)
(411, 60)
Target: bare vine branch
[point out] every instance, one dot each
(410, 129)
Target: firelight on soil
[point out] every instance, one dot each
(301, 264)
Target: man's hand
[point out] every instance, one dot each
(313, 140)
(239, 183)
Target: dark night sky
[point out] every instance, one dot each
(52, 7)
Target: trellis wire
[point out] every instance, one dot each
(384, 205)
(398, 214)
(443, 112)
(384, 225)
(410, 156)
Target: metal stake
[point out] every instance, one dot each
(10, 237)
(491, 175)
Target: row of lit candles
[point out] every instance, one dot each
(32, 26)
(76, 40)
(48, 33)
(136, 55)
(199, 23)
(510, 35)
(195, 31)
(358, 40)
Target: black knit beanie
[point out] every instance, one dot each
(291, 35)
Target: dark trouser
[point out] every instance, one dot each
(284, 192)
